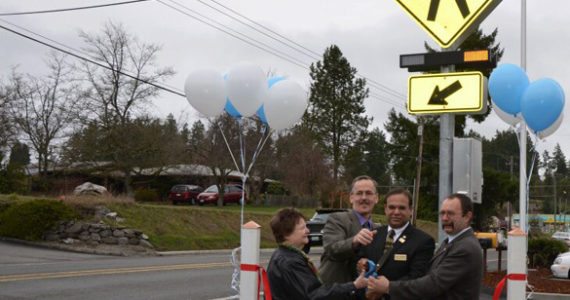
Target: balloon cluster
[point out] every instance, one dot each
(243, 92)
(540, 103)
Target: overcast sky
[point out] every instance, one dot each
(371, 33)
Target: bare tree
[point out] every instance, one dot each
(44, 108)
(6, 128)
(213, 152)
(118, 98)
(303, 166)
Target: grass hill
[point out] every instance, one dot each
(186, 227)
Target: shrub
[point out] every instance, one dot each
(146, 195)
(30, 220)
(276, 188)
(543, 251)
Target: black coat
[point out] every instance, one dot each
(410, 255)
(291, 278)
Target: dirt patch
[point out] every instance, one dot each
(541, 279)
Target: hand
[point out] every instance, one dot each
(362, 265)
(378, 285)
(363, 237)
(361, 282)
(373, 296)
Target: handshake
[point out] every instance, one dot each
(376, 286)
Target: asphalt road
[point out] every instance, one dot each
(28, 272)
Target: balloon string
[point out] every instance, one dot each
(228, 145)
(258, 148)
(243, 176)
(533, 160)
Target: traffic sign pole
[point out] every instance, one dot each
(446, 133)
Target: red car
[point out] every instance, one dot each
(232, 194)
(184, 193)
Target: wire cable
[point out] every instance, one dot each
(314, 55)
(300, 62)
(68, 9)
(252, 41)
(235, 36)
(92, 61)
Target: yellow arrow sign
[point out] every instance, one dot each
(447, 93)
(448, 22)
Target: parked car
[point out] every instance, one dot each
(184, 193)
(316, 225)
(561, 266)
(562, 236)
(232, 194)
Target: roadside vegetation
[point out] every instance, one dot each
(172, 228)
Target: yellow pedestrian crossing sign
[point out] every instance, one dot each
(448, 22)
(460, 92)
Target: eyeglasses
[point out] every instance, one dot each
(364, 193)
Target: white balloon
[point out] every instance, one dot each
(205, 91)
(285, 105)
(247, 88)
(550, 130)
(507, 117)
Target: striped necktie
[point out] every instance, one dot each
(389, 241)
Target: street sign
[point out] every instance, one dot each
(461, 92)
(448, 22)
(433, 61)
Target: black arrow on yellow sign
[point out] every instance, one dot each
(434, 5)
(438, 97)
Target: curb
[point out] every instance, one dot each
(487, 290)
(84, 249)
(218, 251)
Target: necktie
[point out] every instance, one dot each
(366, 225)
(389, 241)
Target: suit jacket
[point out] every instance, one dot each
(290, 277)
(338, 262)
(409, 257)
(455, 273)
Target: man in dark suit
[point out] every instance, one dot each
(455, 271)
(345, 232)
(401, 251)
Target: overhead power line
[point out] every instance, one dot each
(236, 34)
(306, 51)
(262, 46)
(68, 9)
(91, 61)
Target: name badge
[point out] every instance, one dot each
(400, 257)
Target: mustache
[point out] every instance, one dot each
(448, 224)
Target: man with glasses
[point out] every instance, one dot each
(455, 270)
(346, 232)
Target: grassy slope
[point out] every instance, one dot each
(193, 227)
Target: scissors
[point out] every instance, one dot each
(371, 271)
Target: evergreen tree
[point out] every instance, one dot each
(559, 161)
(19, 154)
(336, 106)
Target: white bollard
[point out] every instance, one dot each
(250, 237)
(516, 264)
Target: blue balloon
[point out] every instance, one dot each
(261, 115)
(270, 82)
(542, 104)
(273, 80)
(230, 109)
(507, 84)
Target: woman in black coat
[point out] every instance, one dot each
(291, 274)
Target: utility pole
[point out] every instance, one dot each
(418, 171)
